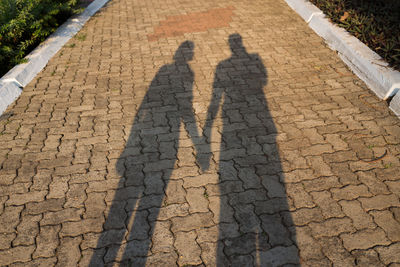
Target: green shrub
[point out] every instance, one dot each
(26, 23)
(374, 22)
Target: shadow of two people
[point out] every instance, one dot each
(253, 219)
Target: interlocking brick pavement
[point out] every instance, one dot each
(198, 133)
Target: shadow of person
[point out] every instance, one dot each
(254, 221)
(146, 164)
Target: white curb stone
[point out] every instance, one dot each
(365, 63)
(304, 8)
(395, 104)
(12, 82)
(9, 91)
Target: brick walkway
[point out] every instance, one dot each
(198, 132)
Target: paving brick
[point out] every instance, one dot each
(323, 183)
(385, 220)
(140, 225)
(9, 219)
(95, 205)
(365, 239)
(47, 241)
(345, 175)
(224, 188)
(317, 150)
(394, 186)
(27, 230)
(190, 251)
(222, 211)
(313, 136)
(249, 178)
(16, 254)
(336, 142)
(374, 185)
(332, 227)
(129, 250)
(38, 262)
(319, 166)
(247, 219)
(163, 239)
(367, 258)
(310, 248)
(334, 250)
(191, 222)
(248, 197)
(125, 193)
(361, 219)
(244, 244)
(68, 253)
(300, 197)
(208, 251)
(350, 192)
(277, 232)
(75, 196)
(209, 234)
(6, 239)
(58, 187)
(340, 156)
(303, 216)
(389, 254)
(81, 227)
(380, 202)
(103, 186)
(197, 200)
(169, 211)
(273, 186)
(279, 255)
(293, 160)
(57, 217)
(299, 175)
(162, 259)
(329, 207)
(175, 192)
(20, 199)
(200, 180)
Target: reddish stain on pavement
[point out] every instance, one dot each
(192, 22)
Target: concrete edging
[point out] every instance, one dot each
(13, 81)
(365, 63)
(395, 104)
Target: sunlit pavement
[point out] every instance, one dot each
(217, 133)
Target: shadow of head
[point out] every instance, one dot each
(184, 52)
(236, 44)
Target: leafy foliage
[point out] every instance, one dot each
(26, 23)
(374, 22)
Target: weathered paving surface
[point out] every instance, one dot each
(103, 157)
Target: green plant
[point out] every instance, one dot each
(81, 36)
(374, 22)
(26, 23)
(387, 165)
